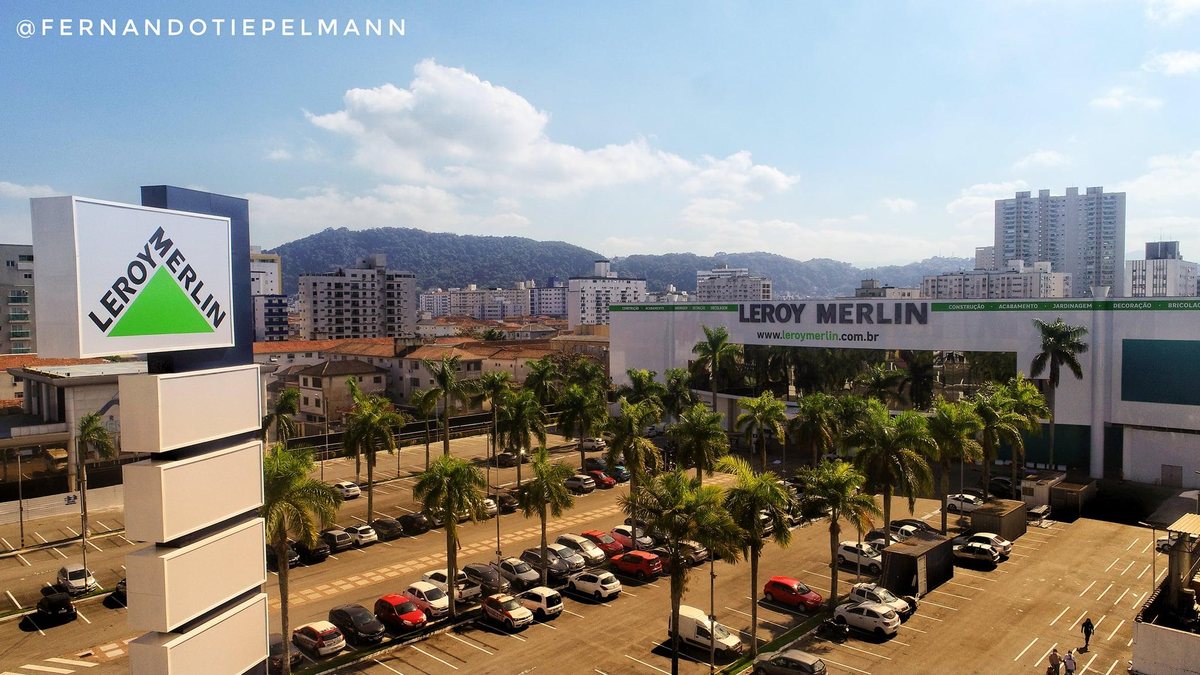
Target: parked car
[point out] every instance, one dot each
(387, 529)
(505, 501)
(293, 558)
(310, 555)
(977, 553)
(434, 518)
(599, 584)
(879, 540)
(864, 592)
(319, 638)
(275, 654)
(594, 464)
(357, 623)
(694, 553)
(591, 553)
(76, 579)
(511, 458)
(902, 531)
(56, 607)
(854, 554)
(464, 589)
(602, 480)
(557, 569)
(490, 508)
(788, 662)
(791, 592)
(604, 541)
(362, 535)
(623, 534)
(428, 598)
(414, 524)
(974, 492)
(399, 613)
(347, 489)
(1002, 545)
(869, 617)
(589, 444)
(573, 558)
(518, 573)
(917, 523)
(963, 503)
(119, 592)
(619, 473)
(337, 539)
(641, 564)
(580, 484)
(486, 577)
(695, 629)
(506, 610)
(1002, 486)
(542, 601)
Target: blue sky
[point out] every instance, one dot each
(868, 132)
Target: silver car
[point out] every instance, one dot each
(573, 559)
(518, 573)
(592, 555)
(75, 579)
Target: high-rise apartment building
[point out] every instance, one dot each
(1018, 281)
(588, 298)
(16, 300)
(985, 257)
(365, 301)
(270, 305)
(549, 300)
(1164, 273)
(1080, 235)
(435, 302)
(266, 272)
(732, 284)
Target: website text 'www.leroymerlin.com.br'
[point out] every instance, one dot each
(814, 336)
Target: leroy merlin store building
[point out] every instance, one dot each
(1135, 414)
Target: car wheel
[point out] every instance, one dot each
(641, 575)
(840, 620)
(841, 559)
(952, 508)
(759, 671)
(598, 596)
(874, 568)
(541, 615)
(510, 625)
(879, 633)
(770, 597)
(571, 586)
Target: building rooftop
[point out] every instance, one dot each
(90, 369)
(342, 367)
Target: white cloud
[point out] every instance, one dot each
(1117, 98)
(899, 204)
(1173, 63)
(1170, 11)
(975, 207)
(452, 130)
(1170, 178)
(1041, 159)
(279, 155)
(15, 191)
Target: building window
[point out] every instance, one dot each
(305, 400)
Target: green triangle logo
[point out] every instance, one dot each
(161, 308)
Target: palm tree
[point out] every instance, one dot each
(92, 435)
(850, 412)
(546, 492)
(287, 405)
(678, 395)
(494, 387)
(715, 352)
(642, 386)
(451, 487)
(881, 383)
(815, 425)
(581, 412)
(764, 415)
(584, 371)
(450, 389)
(1025, 400)
(999, 423)
(920, 377)
(892, 452)
(492, 335)
(835, 487)
(371, 425)
(295, 506)
(522, 421)
(1061, 346)
(953, 427)
(680, 509)
(630, 446)
(543, 379)
(425, 402)
(699, 439)
(751, 497)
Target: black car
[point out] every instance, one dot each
(56, 607)
(1002, 487)
(387, 528)
(506, 459)
(293, 558)
(119, 593)
(557, 570)
(414, 524)
(595, 464)
(487, 577)
(505, 501)
(434, 518)
(309, 555)
(921, 525)
(275, 655)
(357, 623)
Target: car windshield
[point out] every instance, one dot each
(77, 575)
(434, 594)
(607, 579)
(405, 608)
(522, 567)
(330, 633)
(802, 589)
(721, 632)
(885, 595)
(510, 604)
(607, 539)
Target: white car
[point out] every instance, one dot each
(592, 555)
(869, 617)
(851, 554)
(465, 590)
(489, 507)
(592, 444)
(902, 532)
(428, 598)
(75, 579)
(1002, 545)
(599, 585)
(963, 503)
(319, 637)
(506, 610)
(363, 535)
(542, 601)
(347, 489)
(623, 534)
(570, 555)
(881, 595)
(978, 552)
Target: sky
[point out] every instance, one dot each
(870, 132)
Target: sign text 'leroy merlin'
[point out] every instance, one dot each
(116, 278)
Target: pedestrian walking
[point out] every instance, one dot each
(1055, 661)
(1088, 629)
(1069, 662)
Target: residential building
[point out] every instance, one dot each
(414, 374)
(364, 301)
(985, 257)
(17, 333)
(549, 300)
(1082, 235)
(490, 303)
(670, 295)
(1164, 273)
(1018, 281)
(435, 302)
(266, 272)
(872, 288)
(325, 388)
(270, 318)
(588, 298)
(731, 284)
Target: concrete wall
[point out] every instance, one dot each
(1158, 650)
(59, 505)
(1146, 452)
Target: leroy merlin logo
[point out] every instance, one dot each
(159, 294)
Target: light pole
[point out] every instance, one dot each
(712, 612)
(20, 499)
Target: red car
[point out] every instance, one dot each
(640, 564)
(789, 591)
(603, 480)
(604, 541)
(398, 613)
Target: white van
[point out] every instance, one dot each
(695, 629)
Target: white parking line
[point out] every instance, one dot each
(1131, 564)
(1137, 599)
(769, 623)
(387, 666)
(1131, 544)
(76, 534)
(973, 576)
(1110, 668)
(1114, 631)
(1047, 653)
(47, 669)
(906, 626)
(1099, 622)
(14, 600)
(976, 588)
(648, 665)
(70, 662)
(826, 659)
(543, 623)
(102, 525)
(894, 641)
(1105, 592)
(39, 628)
(1060, 615)
(1110, 565)
(1144, 571)
(573, 613)
(433, 657)
(51, 548)
(1123, 594)
(1144, 549)
(960, 597)
(359, 519)
(1088, 664)
(1018, 656)
(878, 656)
(1089, 587)
(1077, 620)
(625, 592)
(930, 602)
(470, 644)
(80, 615)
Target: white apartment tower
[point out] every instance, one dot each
(364, 301)
(1080, 235)
(731, 284)
(1164, 273)
(588, 298)
(266, 272)
(1018, 281)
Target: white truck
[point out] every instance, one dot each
(465, 590)
(696, 629)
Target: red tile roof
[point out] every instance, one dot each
(32, 361)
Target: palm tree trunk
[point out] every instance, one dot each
(988, 456)
(762, 450)
(519, 469)
(370, 485)
(676, 600)
(451, 527)
(426, 443)
(754, 551)
(446, 428)
(545, 565)
(1053, 402)
(281, 557)
(83, 510)
(833, 566)
(887, 511)
(699, 474)
(632, 511)
(945, 490)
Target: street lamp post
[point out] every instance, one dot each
(712, 612)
